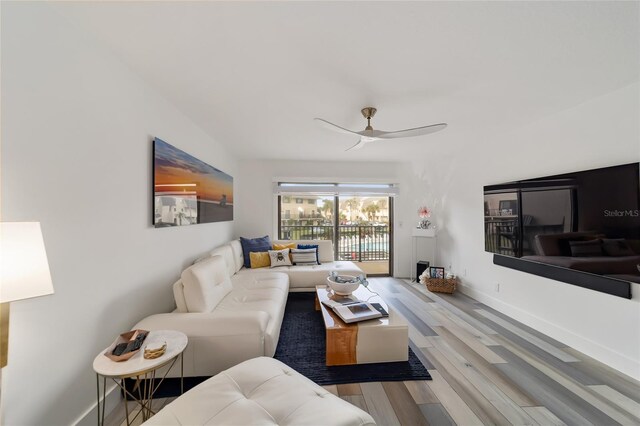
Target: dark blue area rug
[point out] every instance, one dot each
(302, 347)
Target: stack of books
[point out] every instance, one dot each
(351, 309)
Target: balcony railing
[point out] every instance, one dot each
(359, 243)
(306, 232)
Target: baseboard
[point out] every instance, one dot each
(613, 359)
(112, 399)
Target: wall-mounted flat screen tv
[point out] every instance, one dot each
(587, 221)
(186, 190)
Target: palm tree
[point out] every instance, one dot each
(383, 205)
(327, 208)
(371, 211)
(351, 204)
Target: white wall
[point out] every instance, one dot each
(77, 127)
(602, 132)
(258, 215)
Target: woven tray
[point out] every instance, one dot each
(441, 285)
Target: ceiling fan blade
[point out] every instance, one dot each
(417, 131)
(335, 127)
(370, 135)
(362, 142)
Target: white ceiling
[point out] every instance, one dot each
(254, 75)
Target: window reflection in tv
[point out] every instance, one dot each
(588, 221)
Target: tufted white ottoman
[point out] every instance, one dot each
(260, 391)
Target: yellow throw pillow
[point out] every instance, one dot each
(284, 246)
(259, 259)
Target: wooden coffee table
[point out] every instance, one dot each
(376, 340)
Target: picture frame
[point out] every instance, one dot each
(436, 272)
(186, 190)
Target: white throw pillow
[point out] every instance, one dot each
(279, 258)
(205, 284)
(304, 256)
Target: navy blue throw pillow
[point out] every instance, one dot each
(311, 246)
(254, 245)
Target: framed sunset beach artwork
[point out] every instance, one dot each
(188, 191)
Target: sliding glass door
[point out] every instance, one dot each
(361, 227)
(364, 233)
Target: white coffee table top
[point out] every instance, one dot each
(176, 342)
(333, 321)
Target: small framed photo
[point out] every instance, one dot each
(436, 272)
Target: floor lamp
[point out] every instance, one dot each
(24, 271)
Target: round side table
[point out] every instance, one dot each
(144, 370)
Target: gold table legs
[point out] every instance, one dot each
(142, 392)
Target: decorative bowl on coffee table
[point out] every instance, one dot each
(344, 288)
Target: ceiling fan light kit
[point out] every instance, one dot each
(370, 135)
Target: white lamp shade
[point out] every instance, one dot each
(24, 269)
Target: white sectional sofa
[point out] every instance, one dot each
(227, 319)
(230, 313)
(306, 278)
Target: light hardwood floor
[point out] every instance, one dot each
(487, 369)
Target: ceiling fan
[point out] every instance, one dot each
(369, 134)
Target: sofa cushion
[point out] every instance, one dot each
(307, 277)
(263, 278)
(259, 259)
(589, 248)
(279, 258)
(304, 256)
(260, 391)
(255, 245)
(325, 248)
(205, 284)
(558, 244)
(311, 246)
(269, 300)
(283, 246)
(236, 247)
(617, 247)
(178, 295)
(226, 253)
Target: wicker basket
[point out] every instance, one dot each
(441, 285)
